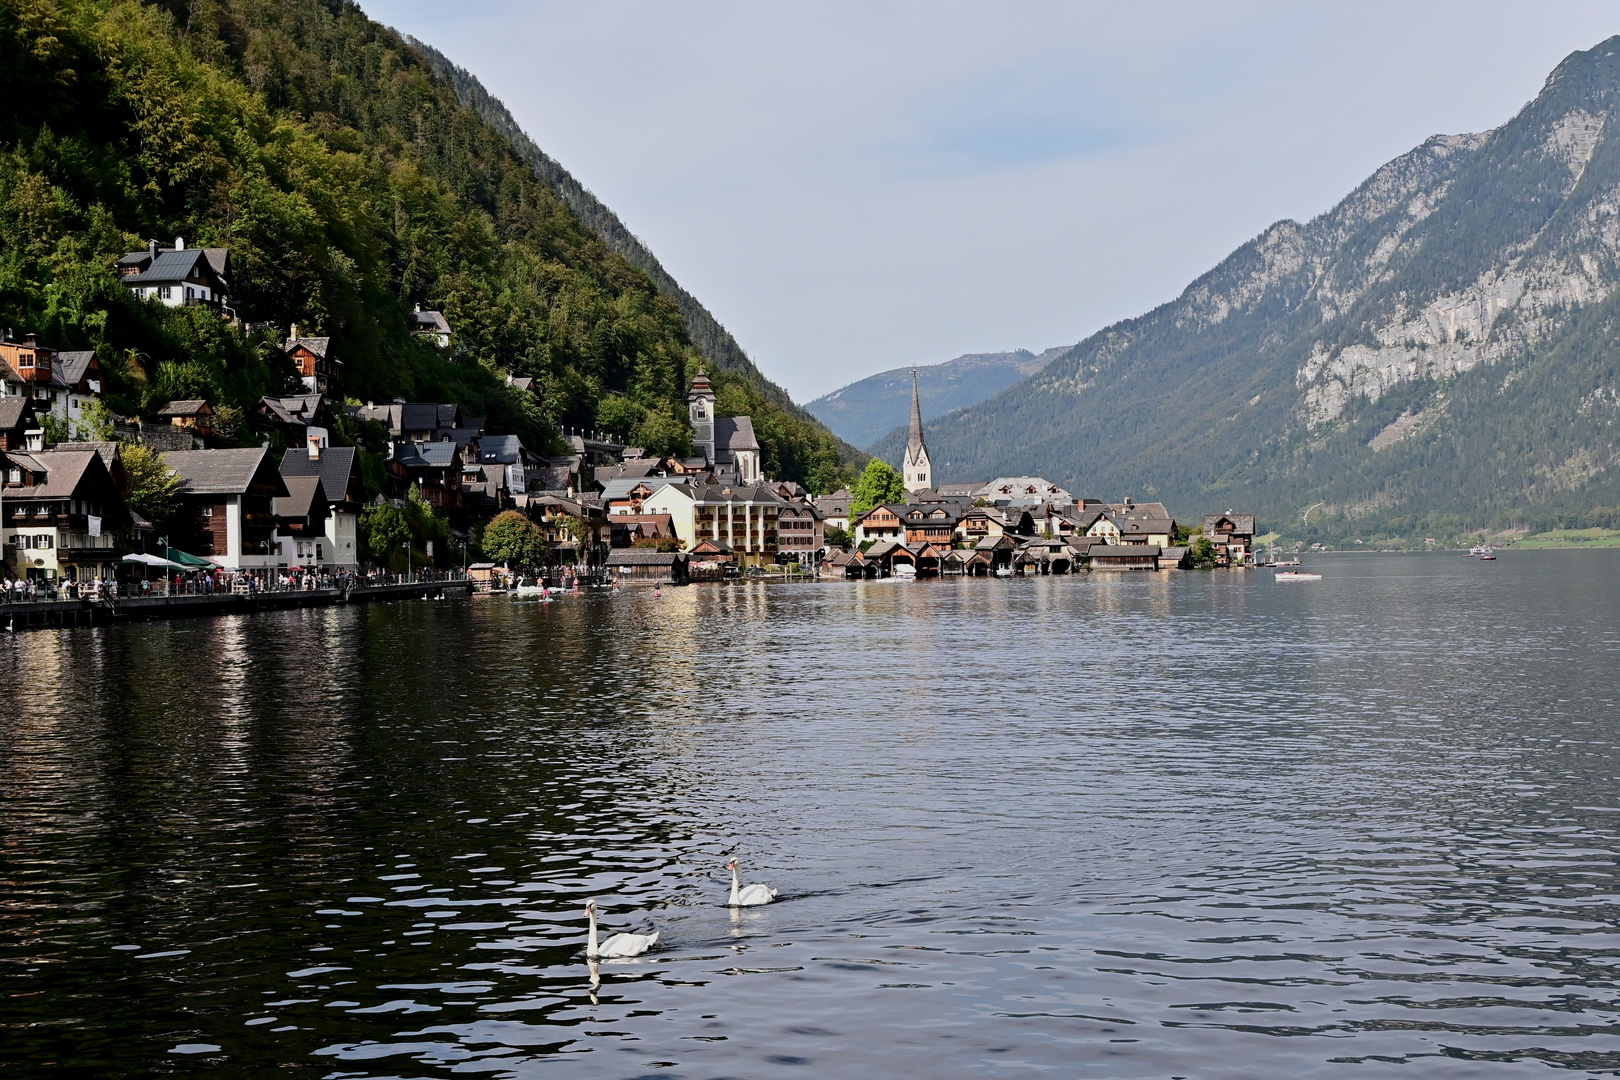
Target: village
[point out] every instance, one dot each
(256, 519)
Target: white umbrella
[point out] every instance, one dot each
(153, 560)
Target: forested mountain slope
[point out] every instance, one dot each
(872, 407)
(349, 182)
(1438, 352)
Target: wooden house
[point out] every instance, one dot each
(314, 359)
(1233, 537)
(59, 514)
(227, 505)
(196, 417)
(644, 566)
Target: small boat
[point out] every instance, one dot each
(1487, 558)
(1295, 575)
(904, 570)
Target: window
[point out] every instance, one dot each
(318, 555)
(191, 294)
(208, 511)
(15, 476)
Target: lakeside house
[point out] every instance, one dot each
(338, 469)
(1233, 537)
(643, 566)
(227, 505)
(60, 510)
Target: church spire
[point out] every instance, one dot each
(918, 472)
(916, 439)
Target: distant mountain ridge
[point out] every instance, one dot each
(863, 411)
(1438, 352)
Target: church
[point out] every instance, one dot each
(917, 472)
(726, 443)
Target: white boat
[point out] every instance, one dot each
(1295, 575)
(904, 570)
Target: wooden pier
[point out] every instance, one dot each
(45, 614)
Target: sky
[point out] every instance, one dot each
(855, 187)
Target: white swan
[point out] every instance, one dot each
(619, 944)
(754, 894)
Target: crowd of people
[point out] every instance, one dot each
(16, 590)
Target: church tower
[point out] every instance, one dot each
(919, 473)
(700, 406)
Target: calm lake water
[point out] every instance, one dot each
(1199, 825)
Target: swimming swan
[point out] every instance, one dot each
(754, 894)
(619, 944)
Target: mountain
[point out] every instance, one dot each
(860, 412)
(349, 181)
(705, 331)
(1439, 352)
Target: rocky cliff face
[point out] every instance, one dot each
(1436, 349)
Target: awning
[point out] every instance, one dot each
(188, 561)
(153, 560)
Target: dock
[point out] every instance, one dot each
(46, 614)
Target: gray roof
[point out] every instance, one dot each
(316, 345)
(305, 498)
(68, 368)
(173, 266)
(220, 472)
(643, 557)
(430, 455)
(1105, 551)
(734, 433)
(335, 466)
(432, 322)
(501, 449)
(184, 408)
(64, 469)
(216, 256)
(621, 487)
(1241, 523)
(13, 409)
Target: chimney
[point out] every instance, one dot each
(151, 249)
(314, 442)
(292, 335)
(418, 309)
(31, 339)
(179, 243)
(36, 438)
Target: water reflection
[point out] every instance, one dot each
(1155, 824)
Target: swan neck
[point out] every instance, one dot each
(734, 886)
(590, 946)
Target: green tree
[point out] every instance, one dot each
(513, 539)
(836, 537)
(154, 489)
(879, 484)
(384, 531)
(1203, 551)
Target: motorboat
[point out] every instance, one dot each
(904, 570)
(1480, 551)
(1295, 575)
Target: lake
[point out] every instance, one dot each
(1116, 825)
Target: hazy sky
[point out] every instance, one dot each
(852, 187)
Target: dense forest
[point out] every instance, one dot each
(350, 182)
(1438, 354)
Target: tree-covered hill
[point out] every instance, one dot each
(349, 182)
(1438, 353)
